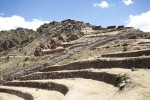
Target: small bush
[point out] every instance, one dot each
(7, 59)
(138, 48)
(125, 48)
(46, 64)
(26, 59)
(24, 64)
(33, 59)
(25, 53)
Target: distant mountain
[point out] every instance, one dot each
(16, 38)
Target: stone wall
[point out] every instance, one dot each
(129, 54)
(49, 86)
(50, 51)
(142, 62)
(25, 96)
(100, 76)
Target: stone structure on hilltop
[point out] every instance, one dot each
(111, 27)
(121, 27)
(66, 31)
(97, 28)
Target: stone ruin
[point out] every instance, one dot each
(38, 51)
(110, 27)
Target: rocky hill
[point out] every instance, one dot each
(72, 60)
(16, 38)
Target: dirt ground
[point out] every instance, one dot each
(6, 96)
(38, 94)
(87, 89)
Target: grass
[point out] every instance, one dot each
(97, 52)
(90, 53)
(12, 64)
(125, 48)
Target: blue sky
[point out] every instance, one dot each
(33, 13)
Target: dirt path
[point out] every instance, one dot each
(87, 89)
(38, 94)
(6, 96)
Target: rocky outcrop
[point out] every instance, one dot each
(16, 38)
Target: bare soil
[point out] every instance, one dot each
(6, 96)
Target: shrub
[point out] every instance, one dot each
(7, 59)
(25, 53)
(46, 64)
(138, 48)
(26, 59)
(125, 48)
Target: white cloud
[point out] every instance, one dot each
(140, 21)
(13, 22)
(127, 2)
(103, 4)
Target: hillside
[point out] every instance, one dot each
(73, 60)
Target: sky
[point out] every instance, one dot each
(33, 13)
